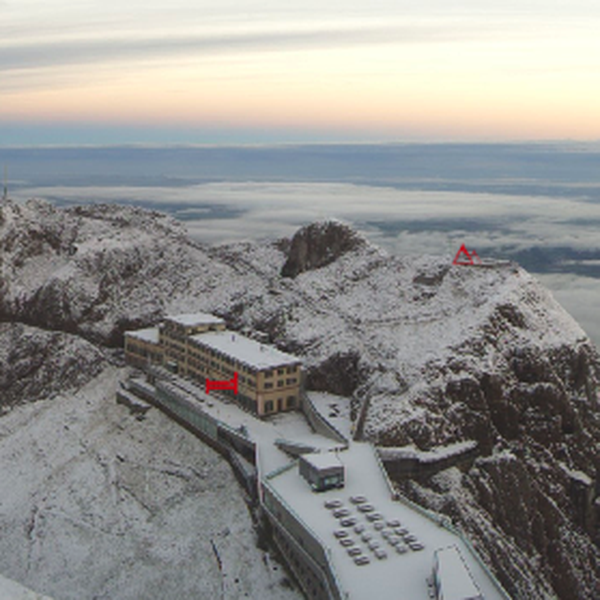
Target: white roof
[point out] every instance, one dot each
(195, 319)
(147, 335)
(245, 350)
(322, 460)
(454, 580)
(400, 576)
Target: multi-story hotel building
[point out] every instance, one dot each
(174, 334)
(198, 346)
(142, 347)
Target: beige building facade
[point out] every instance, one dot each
(198, 346)
(142, 347)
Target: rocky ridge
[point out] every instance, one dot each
(429, 353)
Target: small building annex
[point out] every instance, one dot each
(198, 346)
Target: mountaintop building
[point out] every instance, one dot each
(198, 346)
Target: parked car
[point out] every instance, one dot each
(374, 517)
(358, 499)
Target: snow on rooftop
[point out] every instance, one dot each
(147, 335)
(334, 409)
(430, 456)
(396, 577)
(322, 460)
(195, 319)
(245, 350)
(289, 425)
(454, 580)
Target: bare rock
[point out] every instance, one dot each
(318, 245)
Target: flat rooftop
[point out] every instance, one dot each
(322, 460)
(265, 433)
(453, 575)
(195, 319)
(397, 577)
(147, 335)
(244, 349)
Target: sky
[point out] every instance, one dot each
(260, 71)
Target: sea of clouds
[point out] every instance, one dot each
(548, 222)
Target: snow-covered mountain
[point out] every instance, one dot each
(428, 353)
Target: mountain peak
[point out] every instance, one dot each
(318, 245)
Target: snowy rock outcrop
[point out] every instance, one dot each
(36, 364)
(430, 355)
(318, 245)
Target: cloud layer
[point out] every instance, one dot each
(554, 236)
(466, 70)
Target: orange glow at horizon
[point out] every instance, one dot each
(470, 91)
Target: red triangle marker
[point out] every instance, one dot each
(465, 252)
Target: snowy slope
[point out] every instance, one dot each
(429, 355)
(97, 504)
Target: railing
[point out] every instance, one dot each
(362, 416)
(446, 523)
(442, 521)
(229, 384)
(319, 423)
(177, 395)
(331, 576)
(280, 470)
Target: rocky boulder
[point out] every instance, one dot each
(37, 364)
(319, 244)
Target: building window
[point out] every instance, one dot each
(280, 383)
(269, 406)
(280, 371)
(291, 401)
(291, 381)
(268, 385)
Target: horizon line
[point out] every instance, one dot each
(277, 144)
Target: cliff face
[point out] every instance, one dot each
(36, 364)
(318, 245)
(429, 353)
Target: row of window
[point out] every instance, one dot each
(172, 343)
(281, 383)
(270, 404)
(143, 352)
(171, 331)
(282, 371)
(314, 584)
(201, 367)
(201, 359)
